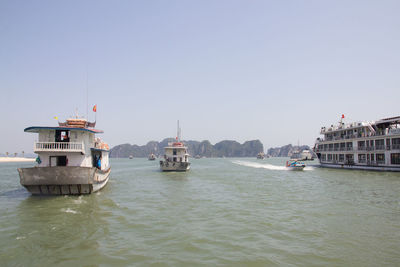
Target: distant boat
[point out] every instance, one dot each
(260, 155)
(197, 157)
(295, 165)
(306, 155)
(152, 157)
(176, 157)
(303, 155)
(130, 157)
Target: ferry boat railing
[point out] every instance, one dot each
(58, 146)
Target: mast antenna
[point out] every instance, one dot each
(178, 132)
(87, 93)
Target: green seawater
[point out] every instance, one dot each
(223, 212)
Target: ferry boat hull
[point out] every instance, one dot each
(174, 166)
(63, 180)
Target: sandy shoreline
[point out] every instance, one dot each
(16, 159)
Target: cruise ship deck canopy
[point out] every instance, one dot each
(36, 129)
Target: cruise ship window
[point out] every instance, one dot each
(395, 158)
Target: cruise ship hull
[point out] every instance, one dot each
(360, 167)
(63, 180)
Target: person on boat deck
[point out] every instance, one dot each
(99, 163)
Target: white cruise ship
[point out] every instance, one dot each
(361, 145)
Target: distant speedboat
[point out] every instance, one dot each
(152, 156)
(295, 165)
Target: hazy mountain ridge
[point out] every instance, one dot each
(226, 148)
(286, 151)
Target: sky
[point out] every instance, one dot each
(276, 71)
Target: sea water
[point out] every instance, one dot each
(223, 212)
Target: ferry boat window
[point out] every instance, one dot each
(341, 157)
(372, 157)
(329, 157)
(62, 136)
(395, 158)
(361, 158)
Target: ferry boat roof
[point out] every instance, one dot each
(36, 129)
(176, 145)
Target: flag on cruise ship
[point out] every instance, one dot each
(342, 116)
(56, 117)
(95, 108)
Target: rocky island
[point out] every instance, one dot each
(226, 148)
(286, 151)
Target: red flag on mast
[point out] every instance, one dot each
(95, 108)
(342, 116)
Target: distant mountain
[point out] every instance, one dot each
(286, 151)
(226, 148)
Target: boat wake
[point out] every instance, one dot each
(68, 210)
(259, 165)
(267, 166)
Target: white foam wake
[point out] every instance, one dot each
(259, 165)
(68, 210)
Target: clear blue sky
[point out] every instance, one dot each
(270, 70)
